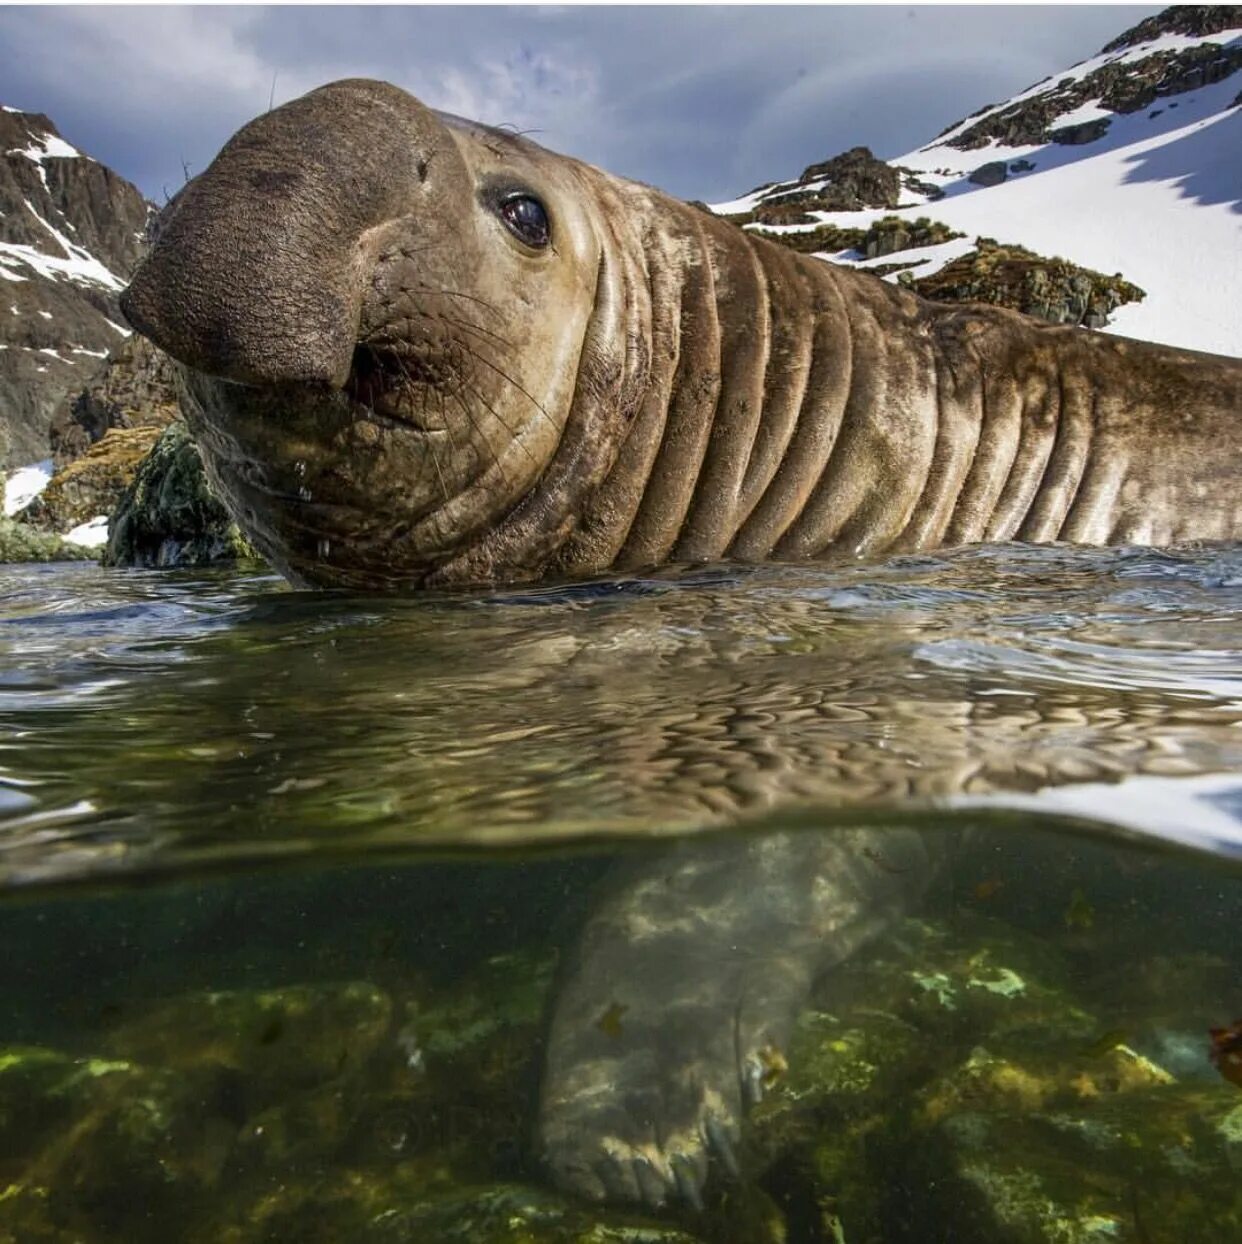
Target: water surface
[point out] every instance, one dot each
(295, 882)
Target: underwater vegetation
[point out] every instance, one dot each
(981, 1075)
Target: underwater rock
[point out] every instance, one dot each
(352, 1207)
(1119, 1152)
(276, 1040)
(962, 1076)
(168, 515)
(835, 1130)
(98, 1149)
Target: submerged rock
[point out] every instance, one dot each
(964, 1073)
(168, 516)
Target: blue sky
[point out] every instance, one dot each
(705, 102)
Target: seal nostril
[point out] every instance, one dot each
(421, 169)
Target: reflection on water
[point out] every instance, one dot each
(903, 1002)
(149, 721)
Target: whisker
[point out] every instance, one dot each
(480, 435)
(505, 376)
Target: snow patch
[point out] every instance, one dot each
(1157, 198)
(92, 534)
(25, 484)
(80, 266)
(47, 147)
(936, 257)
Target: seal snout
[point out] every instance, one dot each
(256, 275)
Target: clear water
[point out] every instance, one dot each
(300, 889)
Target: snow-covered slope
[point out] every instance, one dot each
(70, 232)
(1129, 162)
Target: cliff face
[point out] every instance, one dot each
(71, 231)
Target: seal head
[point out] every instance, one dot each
(384, 315)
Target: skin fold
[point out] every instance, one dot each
(392, 388)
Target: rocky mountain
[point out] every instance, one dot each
(70, 232)
(1106, 195)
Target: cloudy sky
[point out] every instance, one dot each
(705, 102)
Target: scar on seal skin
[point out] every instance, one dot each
(418, 351)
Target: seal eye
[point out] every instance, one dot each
(527, 220)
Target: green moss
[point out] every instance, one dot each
(885, 236)
(21, 543)
(1011, 276)
(169, 516)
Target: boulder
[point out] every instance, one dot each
(856, 179)
(167, 515)
(991, 174)
(1085, 132)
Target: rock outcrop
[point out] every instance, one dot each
(93, 483)
(71, 230)
(886, 236)
(1195, 20)
(1120, 86)
(135, 388)
(1014, 277)
(168, 515)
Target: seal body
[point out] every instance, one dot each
(393, 386)
(419, 351)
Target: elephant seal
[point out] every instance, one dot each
(421, 351)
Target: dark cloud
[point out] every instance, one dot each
(705, 102)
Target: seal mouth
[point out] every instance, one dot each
(398, 385)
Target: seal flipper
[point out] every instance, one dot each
(684, 992)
